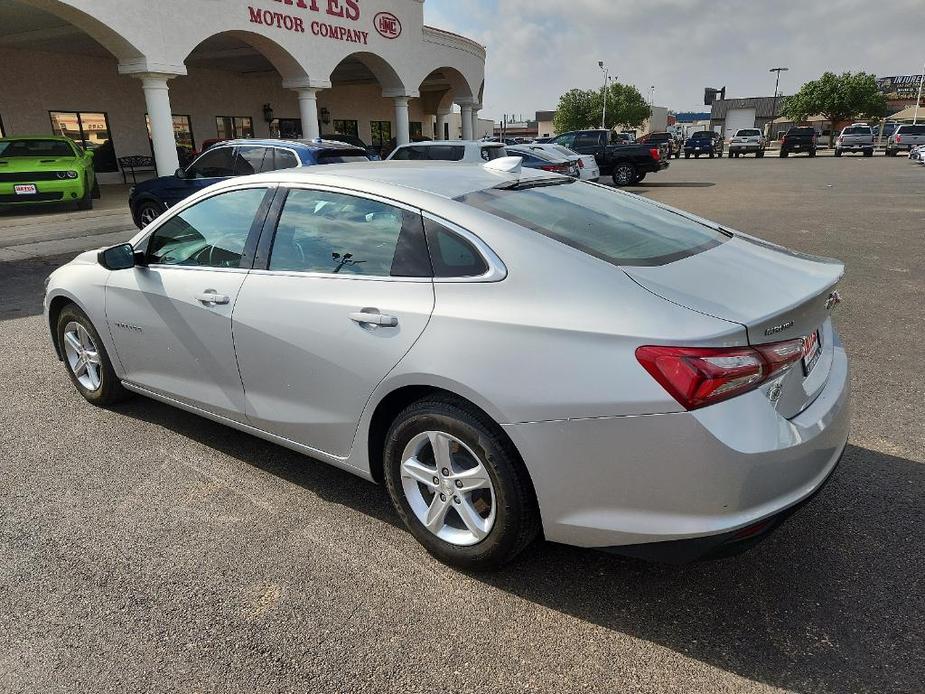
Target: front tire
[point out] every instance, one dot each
(147, 212)
(624, 175)
(85, 357)
(86, 202)
(458, 485)
(837, 152)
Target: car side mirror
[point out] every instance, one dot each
(179, 173)
(121, 257)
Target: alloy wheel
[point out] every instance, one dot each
(147, 215)
(83, 356)
(448, 488)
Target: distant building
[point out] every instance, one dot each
(729, 115)
(544, 127)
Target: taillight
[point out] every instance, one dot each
(840, 139)
(556, 168)
(581, 163)
(655, 154)
(898, 138)
(701, 376)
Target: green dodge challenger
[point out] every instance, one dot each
(46, 170)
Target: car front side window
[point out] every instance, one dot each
(210, 233)
(334, 233)
(216, 163)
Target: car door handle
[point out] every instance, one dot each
(211, 298)
(373, 317)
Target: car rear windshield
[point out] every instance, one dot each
(801, 131)
(659, 137)
(702, 134)
(618, 228)
(857, 130)
(748, 133)
(911, 130)
(35, 148)
(341, 156)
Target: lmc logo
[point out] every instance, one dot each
(387, 25)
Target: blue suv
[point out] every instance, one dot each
(231, 158)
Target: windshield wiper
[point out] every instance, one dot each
(533, 183)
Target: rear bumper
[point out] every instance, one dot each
(854, 147)
(744, 148)
(710, 473)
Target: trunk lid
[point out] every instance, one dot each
(775, 293)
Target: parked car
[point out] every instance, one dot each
(904, 138)
(537, 158)
(621, 139)
(46, 169)
(626, 164)
(889, 127)
(509, 351)
(390, 146)
(747, 141)
(228, 159)
(371, 151)
(663, 139)
(707, 142)
(798, 139)
(916, 153)
(585, 164)
(855, 138)
(471, 151)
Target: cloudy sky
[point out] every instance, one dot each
(538, 49)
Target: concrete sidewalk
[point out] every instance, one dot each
(40, 231)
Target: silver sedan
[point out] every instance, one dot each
(511, 353)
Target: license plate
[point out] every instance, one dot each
(697, 148)
(812, 348)
(797, 146)
(25, 189)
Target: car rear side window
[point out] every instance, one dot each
(451, 254)
(334, 233)
(282, 159)
(911, 130)
(344, 156)
(211, 233)
(618, 228)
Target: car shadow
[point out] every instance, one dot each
(831, 602)
(674, 184)
(22, 284)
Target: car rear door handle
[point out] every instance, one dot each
(211, 297)
(371, 316)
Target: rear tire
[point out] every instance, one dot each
(759, 154)
(687, 155)
(837, 152)
(640, 177)
(783, 153)
(624, 175)
(812, 153)
(94, 376)
(868, 152)
(507, 506)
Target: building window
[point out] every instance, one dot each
(381, 131)
(89, 130)
(416, 128)
(183, 134)
(346, 127)
(234, 127)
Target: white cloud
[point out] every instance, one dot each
(537, 49)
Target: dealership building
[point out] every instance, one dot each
(139, 77)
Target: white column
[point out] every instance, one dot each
(163, 140)
(475, 123)
(308, 112)
(441, 125)
(466, 117)
(402, 124)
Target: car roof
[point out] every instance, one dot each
(439, 178)
(60, 138)
(443, 143)
(279, 142)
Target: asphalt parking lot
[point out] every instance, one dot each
(145, 549)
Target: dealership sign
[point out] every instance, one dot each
(902, 86)
(319, 17)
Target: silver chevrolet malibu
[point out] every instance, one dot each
(511, 352)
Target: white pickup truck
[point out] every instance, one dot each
(858, 137)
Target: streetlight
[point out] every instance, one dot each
(600, 64)
(778, 70)
(651, 95)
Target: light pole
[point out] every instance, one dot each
(778, 70)
(600, 64)
(915, 115)
(651, 95)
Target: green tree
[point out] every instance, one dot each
(838, 98)
(582, 108)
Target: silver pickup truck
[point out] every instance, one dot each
(858, 137)
(904, 138)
